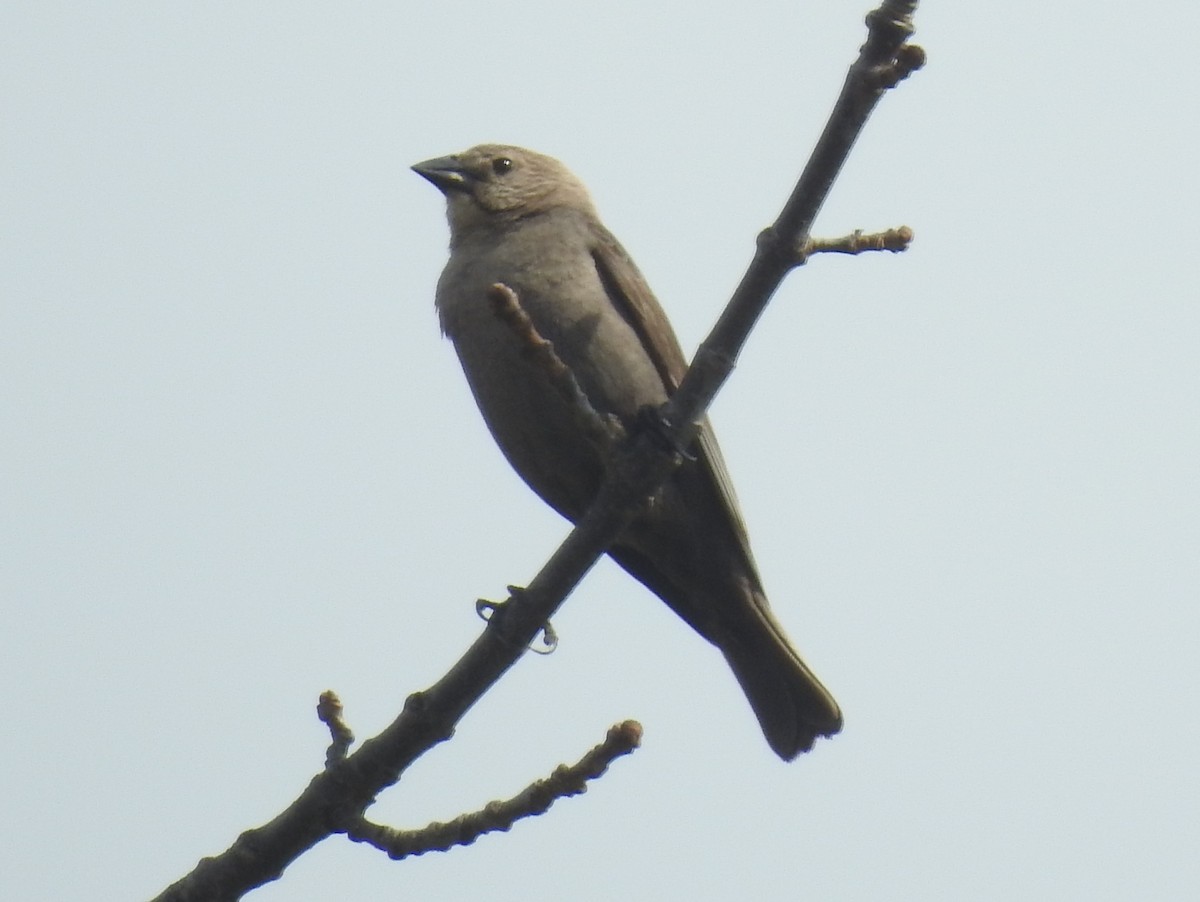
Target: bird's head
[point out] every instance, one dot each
(494, 183)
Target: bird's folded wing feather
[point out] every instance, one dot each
(631, 295)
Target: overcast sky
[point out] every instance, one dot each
(240, 466)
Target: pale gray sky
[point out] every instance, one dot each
(240, 466)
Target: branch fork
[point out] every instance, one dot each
(335, 799)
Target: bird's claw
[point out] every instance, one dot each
(488, 610)
(651, 421)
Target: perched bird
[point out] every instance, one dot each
(522, 219)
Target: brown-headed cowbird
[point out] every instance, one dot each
(522, 219)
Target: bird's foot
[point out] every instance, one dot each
(651, 422)
(492, 612)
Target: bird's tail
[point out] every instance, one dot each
(791, 705)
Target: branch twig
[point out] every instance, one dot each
(335, 799)
(329, 711)
(604, 431)
(857, 242)
(535, 799)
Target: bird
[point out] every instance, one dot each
(521, 219)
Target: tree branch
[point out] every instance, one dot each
(533, 800)
(334, 800)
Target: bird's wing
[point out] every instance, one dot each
(629, 293)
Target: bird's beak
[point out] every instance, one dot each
(446, 173)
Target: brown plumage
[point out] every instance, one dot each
(522, 219)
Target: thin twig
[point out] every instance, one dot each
(857, 242)
(535, 799)
(604, 431)
(335, 799)
(329, 711)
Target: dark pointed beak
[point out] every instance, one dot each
(446, 173)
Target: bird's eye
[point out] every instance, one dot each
(501, 165)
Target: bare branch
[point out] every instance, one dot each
(334, 800)
(857, 242)
(872, 74)
(604, 431)
(535, 799)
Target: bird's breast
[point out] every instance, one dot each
(559, 289)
